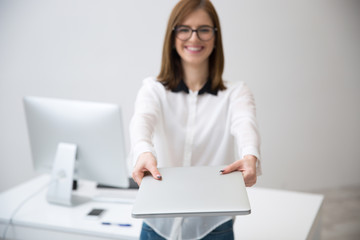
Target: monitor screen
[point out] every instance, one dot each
(93, 130)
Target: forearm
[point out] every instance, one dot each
(244, 125)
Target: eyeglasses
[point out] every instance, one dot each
(204, 33)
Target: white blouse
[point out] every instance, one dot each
(192, 129)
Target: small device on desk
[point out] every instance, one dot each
(95, 213)
(76, 140)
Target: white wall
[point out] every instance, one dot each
(300, 58)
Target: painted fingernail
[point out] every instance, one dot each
(222, 170)
(158, 177)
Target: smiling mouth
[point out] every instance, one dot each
(194, 49)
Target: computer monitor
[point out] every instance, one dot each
(76, 139)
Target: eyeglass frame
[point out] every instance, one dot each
(214, 29)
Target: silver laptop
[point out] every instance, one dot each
(192, 191)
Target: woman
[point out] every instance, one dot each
(189, 116)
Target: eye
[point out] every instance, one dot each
(205, 29)
(183, 30)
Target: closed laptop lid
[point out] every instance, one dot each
(192, 191)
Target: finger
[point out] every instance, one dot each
(137, 180)
(250, 184)
(137, 177)
(231, 168)
(249, 178)
(155, 172)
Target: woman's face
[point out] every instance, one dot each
(195, 52)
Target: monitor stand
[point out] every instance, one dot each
(61, 184)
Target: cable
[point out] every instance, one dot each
(22, 204)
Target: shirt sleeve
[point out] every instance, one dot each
(244, 124)
(143, 122)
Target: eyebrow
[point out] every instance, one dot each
(196, 27)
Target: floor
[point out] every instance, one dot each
(341, 214)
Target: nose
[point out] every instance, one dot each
(194, 35)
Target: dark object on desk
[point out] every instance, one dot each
(96, 212)
(75, 185)
(132, 185)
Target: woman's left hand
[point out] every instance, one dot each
(247, 166)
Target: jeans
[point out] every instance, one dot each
(222, 232)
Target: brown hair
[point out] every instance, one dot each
(171, 71)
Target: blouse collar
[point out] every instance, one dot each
(205, 89)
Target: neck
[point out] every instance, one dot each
(195, 77)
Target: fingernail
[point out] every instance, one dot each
(222, 170)
(158, 177)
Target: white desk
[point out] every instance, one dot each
(275, 215)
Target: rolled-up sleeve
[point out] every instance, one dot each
(244, 124)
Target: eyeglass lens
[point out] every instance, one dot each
(204, 33)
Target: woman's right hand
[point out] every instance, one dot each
(145, 164)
